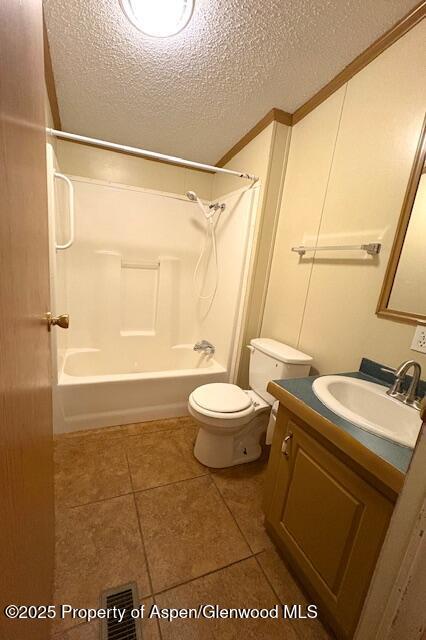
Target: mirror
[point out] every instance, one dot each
(403, 295)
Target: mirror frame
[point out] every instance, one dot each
(383, 309)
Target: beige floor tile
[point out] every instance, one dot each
(98, 546)
(89, 469)
(289, 592)
(242, 489)
(188, 531)
(240, 585)
(153, 426)
(163, 457)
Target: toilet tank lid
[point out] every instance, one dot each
(280, 351)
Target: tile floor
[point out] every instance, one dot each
(133, 504)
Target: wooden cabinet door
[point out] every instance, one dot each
(26, 474)
(331, 524)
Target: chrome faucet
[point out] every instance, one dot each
(410, 395)
(205, 346)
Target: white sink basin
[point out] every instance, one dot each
(367, 405)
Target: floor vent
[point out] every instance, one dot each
(125, 597)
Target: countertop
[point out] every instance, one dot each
(391, 452)
(395, 454)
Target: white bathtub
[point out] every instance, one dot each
(99, 388)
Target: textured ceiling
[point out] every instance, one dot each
(195, 94)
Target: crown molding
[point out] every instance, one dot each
(274, 115)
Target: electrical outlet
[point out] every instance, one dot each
(419, 340)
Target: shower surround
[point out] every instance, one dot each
(127, 284)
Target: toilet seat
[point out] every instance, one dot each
(221, 398)
(222, 420)
(226, 421)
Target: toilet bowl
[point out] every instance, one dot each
(232, 420)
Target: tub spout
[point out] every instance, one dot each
(205, 346)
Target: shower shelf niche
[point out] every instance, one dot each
(139, 284)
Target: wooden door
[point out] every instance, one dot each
(331, 524)
(26, 473)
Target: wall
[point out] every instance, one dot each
(111, 166)
(264, 156)
(348, 169)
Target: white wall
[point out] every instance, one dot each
(348, 169)
(111, 166)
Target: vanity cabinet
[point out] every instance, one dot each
(328, 521)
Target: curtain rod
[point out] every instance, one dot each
(147, 154)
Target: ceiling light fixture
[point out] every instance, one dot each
(158, 18)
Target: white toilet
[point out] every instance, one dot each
(231, 421)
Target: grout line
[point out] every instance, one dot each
(294, 627)
(120, 431)
(151, 433)
(60, 634)
(85, 504)
(179, 419)
(203, 575)
(299, 587)
(139, 526)
(168, 484)
(264, 573)
(155, 432)
(232, 515)
(148, 571)
(89, 434)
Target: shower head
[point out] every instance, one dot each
(208, 213)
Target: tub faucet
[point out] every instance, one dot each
(205, 346)
(410, 396)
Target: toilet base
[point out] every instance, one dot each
(219, 451)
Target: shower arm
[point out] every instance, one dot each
(144, 153)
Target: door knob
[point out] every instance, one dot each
(62, 320)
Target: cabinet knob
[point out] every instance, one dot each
(285, 445)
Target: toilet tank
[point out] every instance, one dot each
(273, 360)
